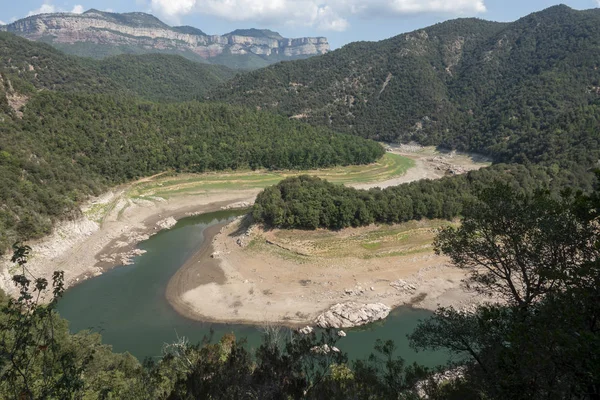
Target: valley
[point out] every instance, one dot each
(262, 218)
(114, 223)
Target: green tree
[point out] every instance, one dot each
(33, 364)
(518, 246)
(538, 253)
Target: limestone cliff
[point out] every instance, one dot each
(98, 34)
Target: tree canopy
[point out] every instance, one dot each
(538, 253)
(66, 147)
(310, 202)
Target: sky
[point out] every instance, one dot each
(341, 21)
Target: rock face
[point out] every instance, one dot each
(347, 315)
(145, 32)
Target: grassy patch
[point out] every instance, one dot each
(388, 167)
(371, 246)
(97, 212)
(371, 242)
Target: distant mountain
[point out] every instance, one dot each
(256, 33)
(190, 30)
(504, 89)
(99, 34)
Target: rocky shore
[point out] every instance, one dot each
(351, 314)
(87, 247)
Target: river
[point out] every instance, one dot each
(127, 305)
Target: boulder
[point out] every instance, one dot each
(307, 330)
(347, 315)
(166, 223)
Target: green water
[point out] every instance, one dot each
(127, 305)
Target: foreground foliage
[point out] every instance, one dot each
(40, 359)
(540, 255)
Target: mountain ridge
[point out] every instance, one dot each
(98, 34)
(466, 84)
(34, 67)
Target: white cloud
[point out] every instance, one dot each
(327, 19)
(46, 8)
(2, 22)
(598, 3)
(78, 9)
(322, 14)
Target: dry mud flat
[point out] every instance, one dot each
(430, 164)
(291, 277)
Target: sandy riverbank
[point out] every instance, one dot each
(269, 279)
(85, 248)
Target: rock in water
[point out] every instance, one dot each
(347, 315)
(166, 223)
(306, 330)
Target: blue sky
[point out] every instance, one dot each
(342, 21)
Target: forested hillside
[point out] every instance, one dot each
(563, 156)
(70, 128)
(32, 66)
(160, 77)
(36, 66)
(68, 146)
(522, 91)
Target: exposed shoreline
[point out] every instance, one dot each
(241, 295)
(187, 277)
(86, 248)
(222, 283)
